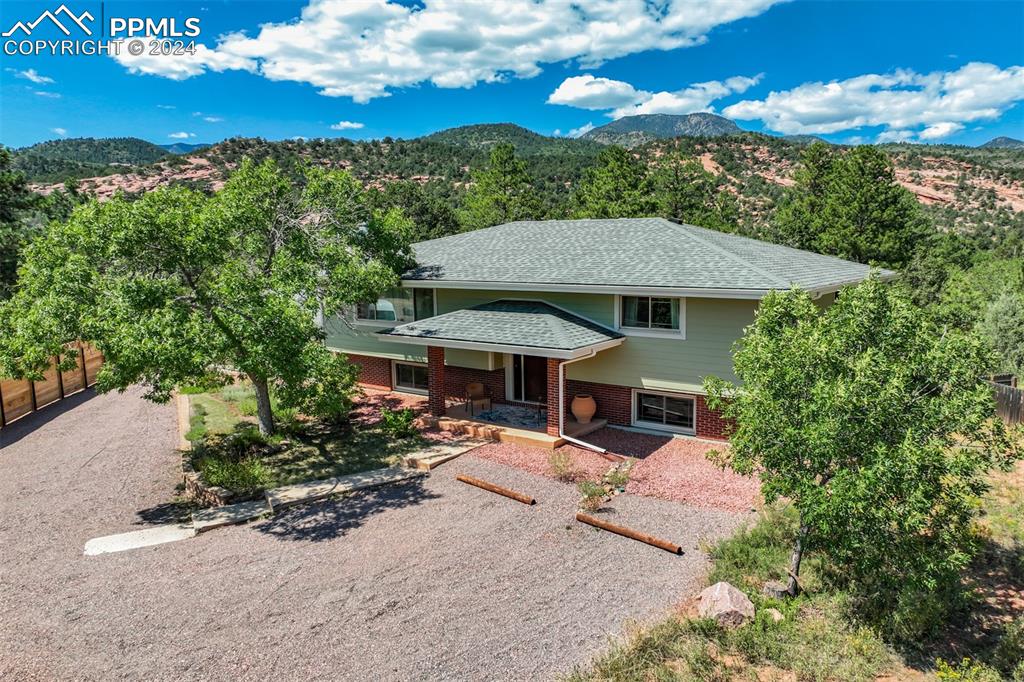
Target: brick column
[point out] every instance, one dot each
(435, 380)
(553, 405)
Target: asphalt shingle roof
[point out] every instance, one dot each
(625, 252)
(510, 323)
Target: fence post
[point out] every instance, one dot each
(32, 392)
(85, 374)
(3, 417)
(60, 376)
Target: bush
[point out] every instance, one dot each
(966, 670)
(243, 475)
(398, 423)
(1008, 655)
(562, 466)
(593, 495)
(619, 476)
(248, 407)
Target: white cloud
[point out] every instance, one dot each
(46, 93)
(212, 119)
(939, 130)
(166, 106)
(588, 92)
(181, 136)
(582, 130)
(62, 132)
(364, 48)
(34, 76)
(895, 136)
(938, 103)
(346, 125)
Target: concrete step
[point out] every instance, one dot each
(215, 517)
(438, 454)
(314, 490)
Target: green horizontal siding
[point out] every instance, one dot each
(598, 307)
(474, 359)
(674, 364)
(362, 340)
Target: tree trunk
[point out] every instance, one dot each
(794, 561)
(263, 412)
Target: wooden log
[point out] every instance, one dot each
(630, 533)
(519, 497)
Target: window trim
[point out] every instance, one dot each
(406, 389)
(387, 324)
(645, 331)
(639, 423)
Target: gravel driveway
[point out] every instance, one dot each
(431, 580)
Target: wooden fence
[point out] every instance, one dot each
(1009, 403)
(19, 397)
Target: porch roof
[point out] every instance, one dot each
(509, 326)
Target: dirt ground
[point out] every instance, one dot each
(430, 580)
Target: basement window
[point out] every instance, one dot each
(411, 377)
(665, 411)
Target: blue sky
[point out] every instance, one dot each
(848, 71)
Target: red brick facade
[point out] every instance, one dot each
(436, 380)
(614, 403)
(711, 423)
(552, 414)
(373, 371)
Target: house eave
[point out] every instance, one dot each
(557, 353)
(754, 294)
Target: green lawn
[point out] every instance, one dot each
(230, 453)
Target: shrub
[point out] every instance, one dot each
(398, 423)
(1008, 655)
(966, 670)
(247, 406)
(562, 466)
(619, 476)
(593, 495)
(243, 475)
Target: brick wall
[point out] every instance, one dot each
(711, 423)
(373, 371)
(456, 379)
(552, 415)
(613, 402)
(436, 380)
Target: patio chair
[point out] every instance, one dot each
(478, 398)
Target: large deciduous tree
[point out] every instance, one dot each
(177, 288)
(848, 204)
(501, 193)
(876, 425)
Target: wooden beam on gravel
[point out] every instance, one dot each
(630, 533)
(518, 497)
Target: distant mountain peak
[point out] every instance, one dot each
(1003, 143)
(632, 131)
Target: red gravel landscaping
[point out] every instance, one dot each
(366, 410)
(674, 469)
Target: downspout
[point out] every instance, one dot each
(561, 403)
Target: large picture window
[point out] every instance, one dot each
(650, 312)
(398, 306)
(411, 378)
(665, 411)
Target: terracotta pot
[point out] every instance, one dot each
(583, 408)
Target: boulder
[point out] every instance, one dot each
(776, 589)
(775, 615)
(726, 604)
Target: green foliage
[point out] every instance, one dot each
(592, 495)
(848, 204)
(242, 475)
(619, 476)
(617, 187)
(758, 552)
(1003, 326)
(562, 466)
(500, 194)
(432, 217)
(177, 286)
(687, 193)
(398, 423)
(862, 402)
(965, 671)
(60, 160)
(326, 390)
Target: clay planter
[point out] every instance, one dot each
(583, 408)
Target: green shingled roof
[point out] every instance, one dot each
(529, 324)
(626, 252)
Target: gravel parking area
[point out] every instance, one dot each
(436, 580)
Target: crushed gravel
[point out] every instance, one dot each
(435, 580)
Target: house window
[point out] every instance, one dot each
(664, 411)
(650, 312)
(399, 306)
(410, 377)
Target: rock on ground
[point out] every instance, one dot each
(725, 604)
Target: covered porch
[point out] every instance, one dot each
(539, 340)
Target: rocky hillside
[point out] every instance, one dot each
(962, 187)
(58, 160)
(633, 131)
(1003, 143)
